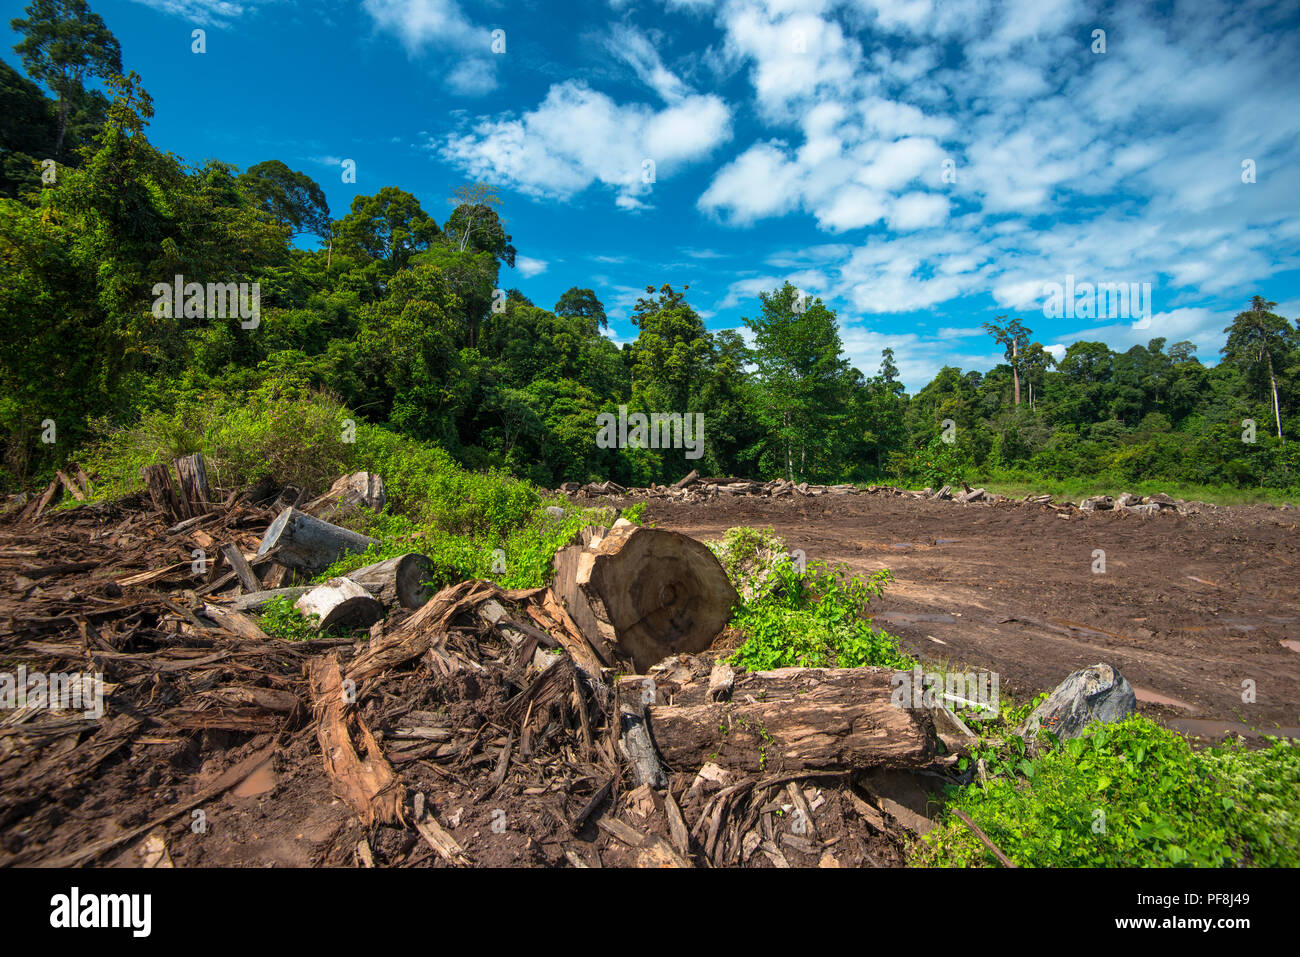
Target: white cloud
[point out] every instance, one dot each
(216, 13)
(529, 267)
(578, 136)
(917, 211)
(441, 24)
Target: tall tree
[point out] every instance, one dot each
(291, 198)
(476, 225)
(803, 374)
(388, 227)
(62, 45)
(1015, 338)
(1255, 338)
(582, 303)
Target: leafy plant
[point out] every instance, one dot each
(1131, 794)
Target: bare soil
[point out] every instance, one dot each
(1188, 608)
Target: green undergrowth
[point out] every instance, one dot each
(814, 618)
(470, 524)
(1132, 794)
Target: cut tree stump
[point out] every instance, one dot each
(790, 719)
(398, 581)
(193, 474)
(643, 594)
(309, 544)
(340, 603)
(162, 491)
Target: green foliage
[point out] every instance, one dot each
(280, 619)
(404, 320)
(1131, 794)
(817, 619)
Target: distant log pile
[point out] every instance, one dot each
(695, 488)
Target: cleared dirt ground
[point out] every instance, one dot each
(1188, 608)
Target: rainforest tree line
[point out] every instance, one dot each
(413, 324)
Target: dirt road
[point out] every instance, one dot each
(1189, 607)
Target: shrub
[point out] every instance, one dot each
(1131, 794)
(814, 619)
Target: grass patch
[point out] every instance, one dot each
(1077, 489)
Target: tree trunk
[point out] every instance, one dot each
(63, 124)
(1277, 412)
(309, 544)
(1015, 372)
(791, 719)
(340, 603)
(162, 492)
(193, 474)
(398, 581)
(642, 594)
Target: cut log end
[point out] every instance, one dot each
(341, 603)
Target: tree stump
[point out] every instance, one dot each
(162, 492)
(347, 494)
(193, 475)
(643, 594)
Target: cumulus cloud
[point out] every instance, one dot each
(440, 24)
(529, 267)
(579, 136)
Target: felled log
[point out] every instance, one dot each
(643, 594)
(248, 579)
(309, 544)
(254, 602)
(340, 603)
(347, 494)
(790, 719)
(193, 475)
(398, 581)
(691, 477)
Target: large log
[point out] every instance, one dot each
(309, 544)
(643, 594)
(790, 719)
(340, 603)
(398, 581)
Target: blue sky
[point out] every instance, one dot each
(923, 166)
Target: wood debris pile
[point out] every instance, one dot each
(474, 726)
